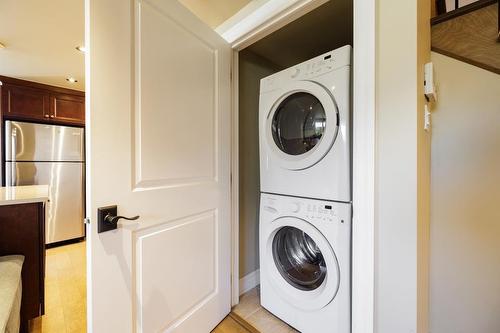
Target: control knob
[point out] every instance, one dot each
(294, 207)
(296, 72)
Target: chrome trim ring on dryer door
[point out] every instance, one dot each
(316, 153)
(321, 295)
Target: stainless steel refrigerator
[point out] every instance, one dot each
(38, 154)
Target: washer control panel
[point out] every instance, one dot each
(308, 209)
(318, 212)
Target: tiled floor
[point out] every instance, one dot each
(65, 291)
(250, 310)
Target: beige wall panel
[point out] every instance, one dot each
(465, 215)
(402, 168)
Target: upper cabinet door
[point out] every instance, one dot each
(159, 142)
(25, 102)
(67, 108)
(35, 102)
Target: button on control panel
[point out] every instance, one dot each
(296, 72)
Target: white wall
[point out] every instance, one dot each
(402, 168)
(465, 206)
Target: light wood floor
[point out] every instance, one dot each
(229, 325)
(65, 291)
(250, 311)
(65, 295)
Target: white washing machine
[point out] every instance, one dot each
(304, 129)
(305, 255)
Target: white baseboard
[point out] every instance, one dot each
(249, 281)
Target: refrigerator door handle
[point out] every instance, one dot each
(13, 142)
(13, 181)
(8, 174)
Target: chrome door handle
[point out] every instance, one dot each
(107, 218)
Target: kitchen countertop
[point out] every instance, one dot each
(14, 195)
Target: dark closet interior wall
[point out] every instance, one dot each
(321, 30)
(326, 28)
(252, 68)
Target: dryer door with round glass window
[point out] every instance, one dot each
(302, 125)
(298, 258)
(302, 264)
(298, 123)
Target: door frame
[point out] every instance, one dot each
(261, 22)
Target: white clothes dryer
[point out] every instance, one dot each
(305, 262)
(305, 129)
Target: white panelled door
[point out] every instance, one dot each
(158, 141)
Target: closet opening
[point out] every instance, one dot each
(326, 28)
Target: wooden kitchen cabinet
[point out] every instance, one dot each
(25, 102)
(31, 101)
(22, 232)
(67, 108)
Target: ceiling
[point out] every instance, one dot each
(323, 29)
(40, 39)
(40, 36)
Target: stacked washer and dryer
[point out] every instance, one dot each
(305, 206)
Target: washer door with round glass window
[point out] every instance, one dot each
(302, 125)
(301, 263)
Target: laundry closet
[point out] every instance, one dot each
(326, 28)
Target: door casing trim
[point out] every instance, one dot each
(251, 29)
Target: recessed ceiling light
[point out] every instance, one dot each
(71, 79)
(81, 48)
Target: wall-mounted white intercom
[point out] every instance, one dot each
(429, 86)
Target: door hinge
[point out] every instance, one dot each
(86, 220)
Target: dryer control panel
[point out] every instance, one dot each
(312, 69)
(317, 66)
